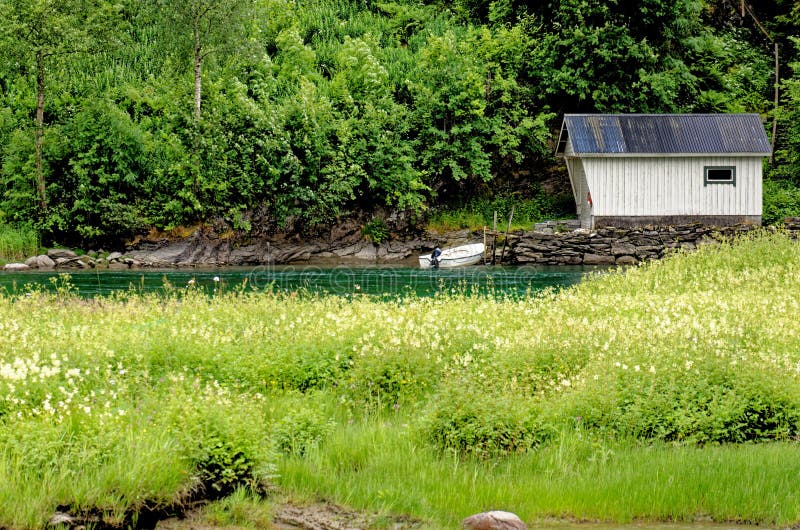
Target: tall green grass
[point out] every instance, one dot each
(17, 243)
(669, 391)
(378, 465)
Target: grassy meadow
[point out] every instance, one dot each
(669, 391)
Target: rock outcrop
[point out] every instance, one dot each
(343, 245)
(552, 243)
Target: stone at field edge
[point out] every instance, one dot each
(56, 253)
(40, 262)
(494, 520)
(16, 267)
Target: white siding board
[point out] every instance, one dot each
(577, 175)
(647, 186)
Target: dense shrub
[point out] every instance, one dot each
(305, 368)
(470, 421)
(301, 430)
(701, 404)
(389, 377)
(323, 109)
(223, 447)
(781, 200)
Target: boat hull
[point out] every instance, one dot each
(455, 257)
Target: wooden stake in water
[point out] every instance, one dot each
(485, 250)
(494, 237)
(508, 229)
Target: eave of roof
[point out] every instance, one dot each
(664, 134)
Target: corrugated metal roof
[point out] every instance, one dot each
(666, 133)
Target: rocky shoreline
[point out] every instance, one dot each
(547, 244)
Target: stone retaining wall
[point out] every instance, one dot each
(619, 246)
(554, 243)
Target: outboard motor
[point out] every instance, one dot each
(435, 257)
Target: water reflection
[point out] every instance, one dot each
(339, 280)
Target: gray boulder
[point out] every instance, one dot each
(70, 263)
(597, 259)
(626, 260)
(114, 256)
(16, 267)
(623, 249)
(40, 262)
(55, 253)
(495, 520)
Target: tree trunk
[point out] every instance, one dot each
(777, 102)
(198, 68)
(198, 85)
(39, 132)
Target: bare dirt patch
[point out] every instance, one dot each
(317, 516)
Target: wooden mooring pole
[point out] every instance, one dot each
(485, 250)
(505, 240)
(494, 238)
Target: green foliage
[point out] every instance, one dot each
(222, 467)
(730, 74)
(703, 404)
(479, 212)
(781, 200)
(315, 110)
(653, 56)
(376, 231)
(468, 112)
(17, 243)
(99, 157)
(100, 166)
(617, 381)
(470, 421)
(302, 430)
(224, 452)
(787, 151)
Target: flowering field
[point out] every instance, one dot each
(681, 373)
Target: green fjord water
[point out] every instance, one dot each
(337, 280)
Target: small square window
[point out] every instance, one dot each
(719, 175)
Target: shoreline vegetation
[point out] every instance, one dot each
(118, 117)
(665, 392)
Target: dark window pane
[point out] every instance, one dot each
(719, 174)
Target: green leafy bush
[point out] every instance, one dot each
(389, 376)
(467, 420)
(699, 405)
(781, 200)
(222, 466)
(376, 231)
(224, 450)
(304, 368)
(301, 430)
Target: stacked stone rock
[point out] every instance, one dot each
(613, 246)
(792, 225)
(61, 258)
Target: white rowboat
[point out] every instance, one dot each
(455, 257)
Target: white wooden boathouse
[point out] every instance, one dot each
(645, 169)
